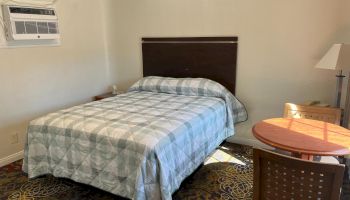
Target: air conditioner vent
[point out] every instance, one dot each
(20, 27)
(52, 27)
(31, 27)
(43, 28)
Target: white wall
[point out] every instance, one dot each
(38, 80)
(280, 41)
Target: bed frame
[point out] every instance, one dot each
(214, 58)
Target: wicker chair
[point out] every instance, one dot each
(327, 114)
(281, 177)
(330, 115)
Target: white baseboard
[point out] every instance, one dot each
(249, 142)
(11, 158)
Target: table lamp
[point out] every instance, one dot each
(338, 58)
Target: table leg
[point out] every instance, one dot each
(303, 156)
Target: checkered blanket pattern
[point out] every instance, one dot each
(236, 111)
(139, 145)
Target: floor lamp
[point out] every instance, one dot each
(338, 58)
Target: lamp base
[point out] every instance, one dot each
(339, 87)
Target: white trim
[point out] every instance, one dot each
(249, 142)
(11, 158)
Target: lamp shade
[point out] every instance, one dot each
(337, 58)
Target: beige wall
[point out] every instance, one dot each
(38, 80)
(280, 42)
(344, 34)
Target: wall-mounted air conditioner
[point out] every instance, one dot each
(30, 23)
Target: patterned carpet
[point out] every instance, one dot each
(227, 174)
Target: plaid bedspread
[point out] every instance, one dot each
(139, 145)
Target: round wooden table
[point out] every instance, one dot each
(304, 137)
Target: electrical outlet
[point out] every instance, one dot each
(14, 138)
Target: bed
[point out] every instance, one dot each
(144, 143)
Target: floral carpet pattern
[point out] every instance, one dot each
(226, 174)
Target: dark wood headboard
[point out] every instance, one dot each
(214, 58)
